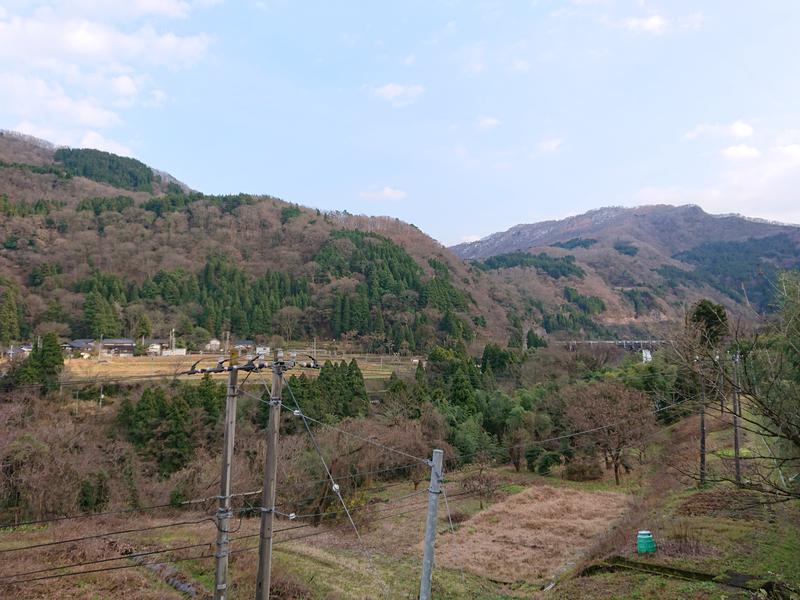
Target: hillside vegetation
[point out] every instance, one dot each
(646, 265)
(96, 244)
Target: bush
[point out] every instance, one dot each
(532, 454)
(547, 461)
(582, 471)
(93, 493)
(626, 248)
(457, 517)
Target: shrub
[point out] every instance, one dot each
(582, 471)
(546, 462)
(457, 517)
(532, 454)
(93, 493)
(626, 248)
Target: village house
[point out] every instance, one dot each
(118, 347)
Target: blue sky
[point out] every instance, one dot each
(463, 118)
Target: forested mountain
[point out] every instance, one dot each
(96, 244)
(636, 269)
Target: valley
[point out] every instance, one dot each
(128, 301)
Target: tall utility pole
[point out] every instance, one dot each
(702, 431)
(270, 476)
(736, 461)
(430, 526)
(224, 510)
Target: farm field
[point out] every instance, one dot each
(373, 367)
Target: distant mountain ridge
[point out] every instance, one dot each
(671, 228)
(636, 269)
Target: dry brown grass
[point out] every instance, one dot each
(531, 535)
(145, 366)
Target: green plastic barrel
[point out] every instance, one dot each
(645, 544)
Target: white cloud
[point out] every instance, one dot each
(737, 129)
(741, 152)
(410, 60)
(469, 238)
(92, 139)
(548, 146)
(70, 68)
(33, 98)
(124, 85)
(488, 123)
(385, 193)
(792, 151)
(74, 138)
(764, 186)
(654, 24)
(40, 41)
(128, 9)
(398, 94)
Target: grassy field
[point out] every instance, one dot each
(373, 367)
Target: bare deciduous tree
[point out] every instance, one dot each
(619, 418)
(761, 372)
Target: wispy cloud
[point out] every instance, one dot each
(398, 94)
(548, 146)
(760, 183)
(737, 129)
(487, 123)
(654, 24)
(385, 193)
(741, 152)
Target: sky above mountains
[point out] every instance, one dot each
(463, 118)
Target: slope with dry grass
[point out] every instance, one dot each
(532, 535)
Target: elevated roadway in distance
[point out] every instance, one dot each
(624, 344)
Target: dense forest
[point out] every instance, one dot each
(743, 271)
(162, 257)
(119, 171)
(555, 267)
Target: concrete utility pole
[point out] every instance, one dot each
(430, 526)
(224, 510)
(702, 431)
(270, 476)
(736, 461)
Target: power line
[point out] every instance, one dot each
(154, 552)
(117, 512)
(8, 579)
(335, 488)
(384, 485)
(299, 413)
(139, 554)
(99, 535)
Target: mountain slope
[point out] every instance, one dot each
(636, 269)
(92, 243)
(668, 229)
